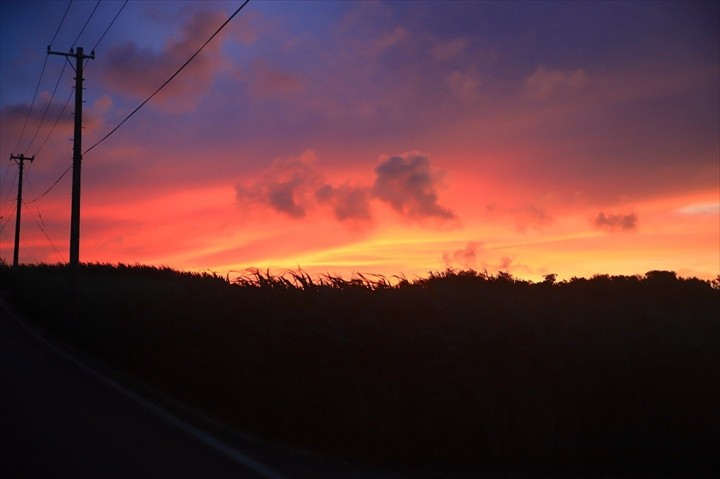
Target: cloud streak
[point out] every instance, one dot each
(524, 217)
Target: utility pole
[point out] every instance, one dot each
(20, 160)
(77, 153)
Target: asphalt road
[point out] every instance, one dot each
(60, 418)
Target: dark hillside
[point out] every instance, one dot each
(608, 374)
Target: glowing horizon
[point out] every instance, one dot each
(374, 137)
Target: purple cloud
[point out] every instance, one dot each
(137, 71)
(407, 184)
(295, 185)
(348, 202)
(615, 222)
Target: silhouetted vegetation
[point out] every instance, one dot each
(610, 373)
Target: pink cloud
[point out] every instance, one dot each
(465, 258)
(288, 186)
(397, 35)
(269, 81)
(543, 82)
(447, 50)
(464, 85)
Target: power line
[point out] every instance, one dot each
(9, 218)
(169, 79)
(53, 185)
(2, 185)
(62, 110)
(20, 159)
(40, 225)
(111, 24)
(3, 224)
(86, 24)
(57, 120)
(32, 104)
(47, 108)
(42, 71)
(61, 22)
(27, 181)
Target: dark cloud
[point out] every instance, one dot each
(615, 222)
(407, 183)
(348, 202)
(284, 197)
(42, 110)
(47, 126)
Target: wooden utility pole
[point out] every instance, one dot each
(77, 153)
(20, 159)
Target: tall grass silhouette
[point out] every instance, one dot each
(610, 373)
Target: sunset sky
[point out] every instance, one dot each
(387, 137)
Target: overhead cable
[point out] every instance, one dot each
(47, 107)
(42, 71)
(61, 22)
(32, 104)
(111, 24)
(169, 79)
(86, 24)
(41, 226)
(53, 185)
(62, 110)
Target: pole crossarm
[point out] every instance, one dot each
(72, 53)
(79, 56)
(20, 160)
